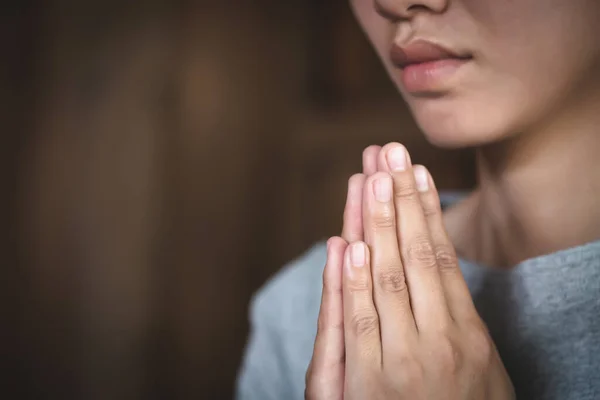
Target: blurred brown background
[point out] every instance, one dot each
(160, 161)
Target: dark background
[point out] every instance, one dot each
(160, 160)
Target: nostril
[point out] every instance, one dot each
(417, 7)
(400, 12)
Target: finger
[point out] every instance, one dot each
(370, 159)
(361, 322)
(389, 284)
(382, 164)
(416, 248)
(458, 297)
(325, 377)
(352, 229)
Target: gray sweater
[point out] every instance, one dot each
(544, 316)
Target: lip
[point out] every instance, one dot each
(427, 67)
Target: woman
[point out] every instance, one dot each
(398, 319)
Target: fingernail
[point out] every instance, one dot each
(357, 254)
(422, 179)
(397, 159)
(383, 189)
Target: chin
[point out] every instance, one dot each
(450, 123)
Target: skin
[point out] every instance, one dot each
(528, 99)
(402, 325)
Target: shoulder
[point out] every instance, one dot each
(283, 322)
(290, 300)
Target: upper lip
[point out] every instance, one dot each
(421, 51)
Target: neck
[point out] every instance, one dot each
(538, 191)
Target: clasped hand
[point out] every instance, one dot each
(397, 320)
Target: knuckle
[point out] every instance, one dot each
(448, 357)
(412, 372)
(312, 383)
(392, 280)
(405, 191)
(358, 284)
(308, 374)
(446, 258)
(311, 390)
(383, 220)
(321, 322)
(326, 323)
(331, 285)
(364, 323)
(327, 286)
(430, 209)
(336, 325)
(479, 346)
(420, 251)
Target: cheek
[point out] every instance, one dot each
(547, 52)
(487, 108)
(496, 106)
(379, 31)
(528, 72)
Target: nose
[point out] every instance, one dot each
(395, 10)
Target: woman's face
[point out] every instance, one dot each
(518, 61)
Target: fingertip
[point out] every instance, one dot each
(359, 253)
(332, 273)
(388, 155)
(352, 225)
(356, 258)
(382, 163)
(379, 188)
(335, 244)
(369, 157)
(371, 149)
(355, 181)
(422, 178)
(355, 185)
(377, 175)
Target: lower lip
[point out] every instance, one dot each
(431, 77)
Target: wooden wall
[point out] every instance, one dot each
(160, 162)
